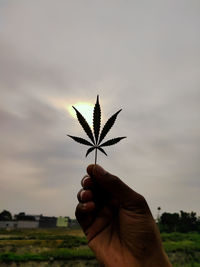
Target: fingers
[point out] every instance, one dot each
(85, 208)
(107, 181)
(85, 195)
(84, 214)
(115, 187)
(87, 182)
(85, 198)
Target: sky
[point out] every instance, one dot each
(141, 56)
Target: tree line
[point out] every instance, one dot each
(167, 222)
(179, 222)
(5, 215)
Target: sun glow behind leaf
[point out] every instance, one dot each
(95, 135)
(86, 109)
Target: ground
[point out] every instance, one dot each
(68, 247)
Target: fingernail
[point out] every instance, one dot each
(81, 194)
(84, 179)
(84, 206)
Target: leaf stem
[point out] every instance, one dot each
(95, 156)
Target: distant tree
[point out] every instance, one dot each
(198, 224)
(5, 215)
(23, 217)
(158, 215)
(169, 222)
(188, 222)
(183, 222)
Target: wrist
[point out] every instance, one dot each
(158, 259)
(124, 258)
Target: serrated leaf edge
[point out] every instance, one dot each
(80, 140)
(97, 120)
(84, 125)
(115, 140)
(89, 151)
(107, 127)
(102, 150)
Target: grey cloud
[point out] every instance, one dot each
(139, 56)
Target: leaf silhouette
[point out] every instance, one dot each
(97, 119)
(112, 141)
(90, 150)
(108, 126)
(84, 124)
(102, 150)
(96, 137)
(81, 140)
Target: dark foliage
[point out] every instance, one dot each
(5, 215)
(179, 222)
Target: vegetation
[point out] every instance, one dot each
(174, 222)
(180, 234)
(50, 245)
(5, 215)
(58, 254)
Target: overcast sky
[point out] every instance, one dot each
(142, 56)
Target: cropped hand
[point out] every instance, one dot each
(118, 223)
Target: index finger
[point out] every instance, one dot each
(87, 182)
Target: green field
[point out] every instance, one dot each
(65, 247)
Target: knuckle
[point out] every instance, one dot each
(142, 202)
(87, 182)
(84, 178)
(78, 194)
(115, 181)
(77, 211)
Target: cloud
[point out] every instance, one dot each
(142, 57)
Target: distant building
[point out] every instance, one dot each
(27, 224)
(27, 221)
(8, 224)
(47, 222)
(73, 223)
(22, 216)
(19, 224)
(62, 221)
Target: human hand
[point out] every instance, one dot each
(118, 223)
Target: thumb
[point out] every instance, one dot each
(112, 184)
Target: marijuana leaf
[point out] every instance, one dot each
(108, 126)
(90, 150)
(112, 141)
(81, 140)
(95, 138)
(97, 120)
(84, 124)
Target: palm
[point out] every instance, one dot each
(112, 231)
(117, 222)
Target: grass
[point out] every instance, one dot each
(58, 254)
(183, 249)
(193, 236)
(41, 245)
(181, 242)
(185, 245)
(192, 264)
